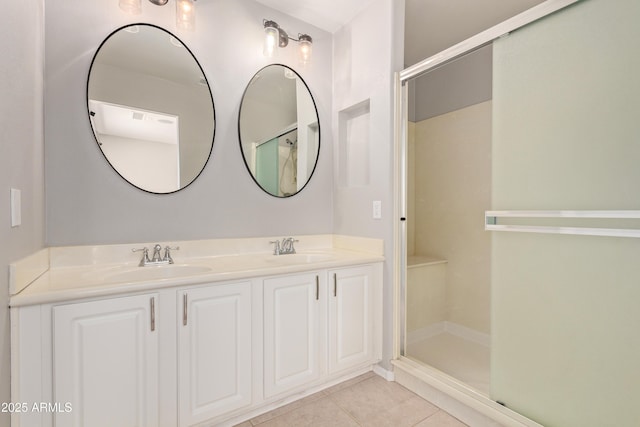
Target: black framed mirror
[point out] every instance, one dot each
(279, 130)
(151, 108)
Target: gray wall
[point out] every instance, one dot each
(88, 203)
(21, 148)
(367, 52)
(459, 84)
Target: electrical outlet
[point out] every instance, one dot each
(377, 209)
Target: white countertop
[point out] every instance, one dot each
(99, 274)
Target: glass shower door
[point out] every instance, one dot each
(566, 188)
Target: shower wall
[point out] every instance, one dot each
(449, 187)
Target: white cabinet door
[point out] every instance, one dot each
(214, 351)
(106, 362)
(350, 317)
(292, 332)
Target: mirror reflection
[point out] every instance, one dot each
(150, 108)
(279, 130)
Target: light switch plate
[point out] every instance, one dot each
(377, 209)
(16, 208)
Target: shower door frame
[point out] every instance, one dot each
(432, 377)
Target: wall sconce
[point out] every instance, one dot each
(185, 11)
(274, 36)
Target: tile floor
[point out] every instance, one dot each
(464, 360)
(367, 400)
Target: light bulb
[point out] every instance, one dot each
(305, 46)
(270, 38)
(185, 15)
(132, 7)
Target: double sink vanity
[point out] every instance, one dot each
(191, 333)
(227, 331)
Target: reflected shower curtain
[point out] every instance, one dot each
(267, 156)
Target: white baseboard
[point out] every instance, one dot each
(468, 334)
(460, 331)
(425, 333)
(384, 373)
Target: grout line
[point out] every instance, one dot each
(310, 402)
(429, 416)
(436, 413)
(336, 402)
(347, 413)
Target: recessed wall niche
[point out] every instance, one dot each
(354, 145)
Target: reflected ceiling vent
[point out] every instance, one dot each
(123, 121)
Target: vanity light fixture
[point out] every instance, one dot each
(185, 15)
(132, 7)
(185, 11)
(275, 36)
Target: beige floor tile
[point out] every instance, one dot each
(287, 408)
(367, 400)
(321, 413)
(370, 397)
(441, 419)
(349, 383)
(405, 414)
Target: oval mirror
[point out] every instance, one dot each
(279, 130)
(150, 108)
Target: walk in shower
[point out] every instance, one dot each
(520, 220)
(449, 188)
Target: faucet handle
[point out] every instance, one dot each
(292, 241)
(145, 256)
(167, 253)
(276, 248)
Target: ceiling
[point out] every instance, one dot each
(431, 25)
(328, 15)
(434, 25)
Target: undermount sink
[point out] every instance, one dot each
(157, 272)
(299, 258)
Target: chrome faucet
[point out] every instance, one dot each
(156, 254)
(285, 247)
(156, 259)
